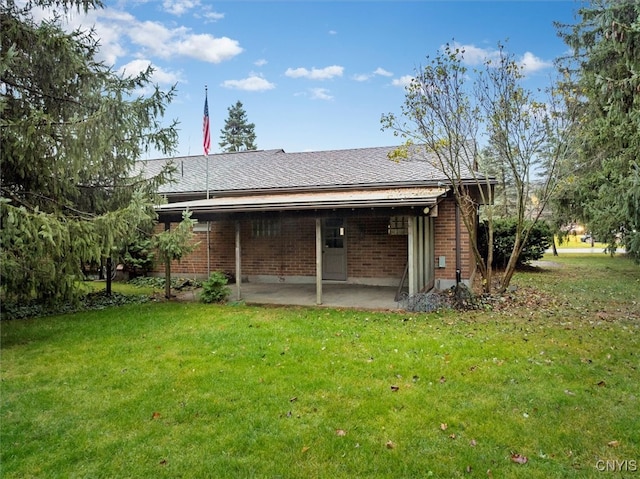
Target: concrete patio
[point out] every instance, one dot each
(338, 295)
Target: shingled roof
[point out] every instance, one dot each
(275, 170)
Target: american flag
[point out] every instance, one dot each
(205, 127)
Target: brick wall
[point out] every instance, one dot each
(445, 243)
(371, 251)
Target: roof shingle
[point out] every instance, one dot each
(276, 170)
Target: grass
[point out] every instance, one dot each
(573, 241)
(121, 287)
(192, 390)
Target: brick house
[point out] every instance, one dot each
(351, 216)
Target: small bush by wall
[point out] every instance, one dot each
(214, 289)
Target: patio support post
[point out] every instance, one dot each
(238, 262)
(411, 246)
(420, 253)
(318, 261)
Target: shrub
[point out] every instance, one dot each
(138, 256)
(504, 232)
(214, 289)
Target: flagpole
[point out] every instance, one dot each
(206, 153)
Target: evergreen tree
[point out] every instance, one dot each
(71, 132)
(603, 77)
(237, 134)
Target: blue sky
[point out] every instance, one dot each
(312, 75)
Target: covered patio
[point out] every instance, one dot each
(335, 295)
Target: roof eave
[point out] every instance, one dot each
(318, 188)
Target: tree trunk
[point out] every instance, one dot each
(513, 262)
(108, 275)
(555, 249)
(489, 273)
(167, 278)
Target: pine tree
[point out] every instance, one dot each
(237, 134)
(71, 132)
(603, 76)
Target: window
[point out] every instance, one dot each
(201, 226)
(398, 225)
(334, 233)
(265, 228)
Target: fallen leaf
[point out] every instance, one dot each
(442, 379)
(452, 435)
(155, 415)
(468, 469)
(305, 449)
(395, 388)
(473, 443)
(602, 384)
(519, 459)
(163, 462)
(443, 426)
(613, 443)
(570, 393)
(341, 432)
(390, 445)
(293, 399)
(489, 474)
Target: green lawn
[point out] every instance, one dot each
(198, 391)
(572, 242)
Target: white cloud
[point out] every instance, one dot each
(472, 55)
(159, 76)
(531, 63)
(110, 27)
(213, 16)
(134, 67)
(147, 39)
(382, 72)
(315, 73)
(320, 94)
(361, 77)
(403, 81)
(251, 83)
(154, 36)
(260, 63)
(208, 48)
(179, 7)
(332, 32)
(111, 47)
(167, 43)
